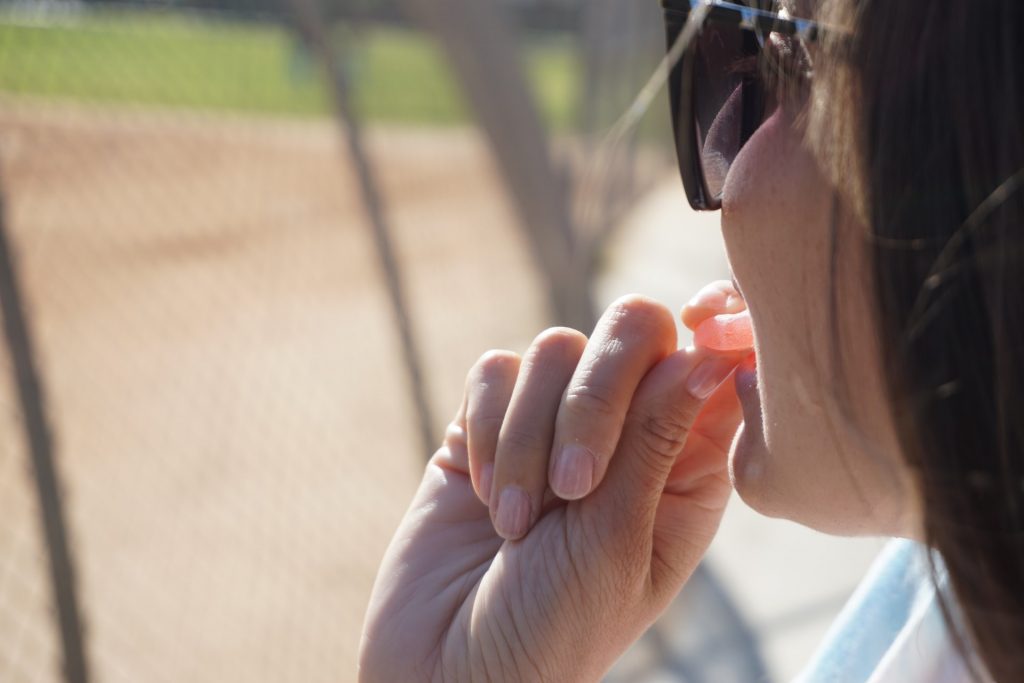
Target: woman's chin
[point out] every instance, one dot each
(773, 485)
(747, 464)
(749, 453)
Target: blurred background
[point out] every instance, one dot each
(249, 250)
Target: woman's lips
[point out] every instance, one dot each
(745, 381)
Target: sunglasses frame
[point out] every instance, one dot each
(681, 96)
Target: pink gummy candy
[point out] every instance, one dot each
(725, 332)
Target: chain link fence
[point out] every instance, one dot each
(231, 431)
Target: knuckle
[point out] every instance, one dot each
(634, 318)
(486, 426)
(480, 423)
(496, 362)
(557, 344)
(491, 378)
(591, 401)
(455, 437)
(560, 335)
(628, 302)
(662, 435)
(518, 440)
(640, 309)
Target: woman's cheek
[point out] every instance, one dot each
(777, 212)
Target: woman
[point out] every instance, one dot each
(868, 170)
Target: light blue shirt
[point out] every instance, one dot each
(892, 629)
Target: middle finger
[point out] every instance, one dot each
(633, 335)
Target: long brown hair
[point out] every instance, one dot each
(920, 119)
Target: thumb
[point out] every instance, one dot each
(660, 418)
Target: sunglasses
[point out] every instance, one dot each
(724, 84)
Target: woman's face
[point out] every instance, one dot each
(802, 454)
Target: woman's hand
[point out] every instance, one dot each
(528, 586)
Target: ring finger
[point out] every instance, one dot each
(524, 442)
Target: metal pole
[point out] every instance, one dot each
(310, 22)
(38, 437)
(482, 51)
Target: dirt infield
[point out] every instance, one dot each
(231, 417)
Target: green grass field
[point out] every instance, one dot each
(174, 60)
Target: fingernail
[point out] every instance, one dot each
(486, 477)
(706, 377)
(513, 513)
(574, 472)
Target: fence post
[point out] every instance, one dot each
(481, 50)
(39, 439)
(311, 23)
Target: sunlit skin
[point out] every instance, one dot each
(807, 458)
(510, 565)
(725, 332)
(557, 587)
(457, 600)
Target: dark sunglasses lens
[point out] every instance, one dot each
(728, 98)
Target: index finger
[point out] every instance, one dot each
(633, 335)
